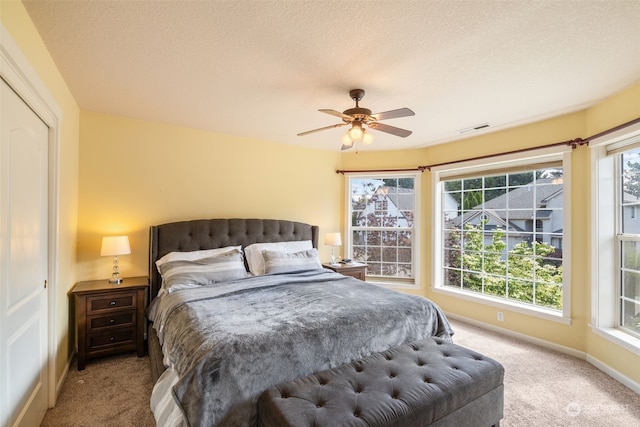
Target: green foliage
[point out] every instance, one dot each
(472, 199)
(528, 274)
(631, 285)
(631, 178)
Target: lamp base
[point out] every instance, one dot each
(116, 281)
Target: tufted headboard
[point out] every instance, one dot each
(217, 233)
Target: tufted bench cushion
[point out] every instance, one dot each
(428, 382)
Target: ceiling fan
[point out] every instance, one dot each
(358, 117)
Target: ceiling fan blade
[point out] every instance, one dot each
(393, 114)
(337, 125)
(336, 113)
(390, 129)
(345, 147)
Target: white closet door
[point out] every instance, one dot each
(23, 262)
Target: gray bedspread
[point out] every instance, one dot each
(230, 342)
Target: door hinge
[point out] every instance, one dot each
(45, 284)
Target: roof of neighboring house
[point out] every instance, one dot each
(402, 203)
(468, 216)
(629, 198)
(522, 197)
(519, 201)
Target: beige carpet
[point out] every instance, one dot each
(110, 392)
(542, 388)
(545, 388)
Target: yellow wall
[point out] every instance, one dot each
(17, 22)
(611, 112)
(134, 174)
(119, 175)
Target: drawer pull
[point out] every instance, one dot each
(113, 303)
(112, 339)
(112, 320)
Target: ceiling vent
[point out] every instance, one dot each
(474, 128)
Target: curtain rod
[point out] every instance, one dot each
(418, 169)
(573, 143)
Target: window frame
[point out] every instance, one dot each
(487, 166)
(606, 288)
(413, 283)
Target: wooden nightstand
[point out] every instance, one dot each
(110, 318)
(357, 270)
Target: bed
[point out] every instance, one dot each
(240, 305)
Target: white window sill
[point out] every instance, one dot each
(393, 285)
(619, 338)
(552, 315)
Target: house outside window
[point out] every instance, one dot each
(383, 225)
(504, 239)
(616, 308)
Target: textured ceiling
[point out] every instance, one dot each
(262, 69)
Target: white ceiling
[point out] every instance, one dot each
(262, 69)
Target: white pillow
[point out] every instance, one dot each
(184, 274)
(255, 260)
(196, 255)
(286, 262)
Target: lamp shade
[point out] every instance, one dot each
(332, 239)
(355, 133)
(115, 245)
(367, 138)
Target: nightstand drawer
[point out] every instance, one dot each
(116, 319)
(117, 337)
(116, 301)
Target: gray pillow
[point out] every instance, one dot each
(286, 262)
(183, 274)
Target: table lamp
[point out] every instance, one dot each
(114, 246)
(333, 240)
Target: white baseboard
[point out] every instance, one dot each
(633, 385)
(533, 340)
(621, 378)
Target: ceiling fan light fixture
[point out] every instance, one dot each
(346, 140)
(355, 133)
(367, 137)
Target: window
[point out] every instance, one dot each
(499, 231)
(382, 225)
(628, 181)
(616, 287)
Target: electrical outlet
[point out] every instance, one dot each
(500, 316)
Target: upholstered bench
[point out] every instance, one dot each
(426, 383)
